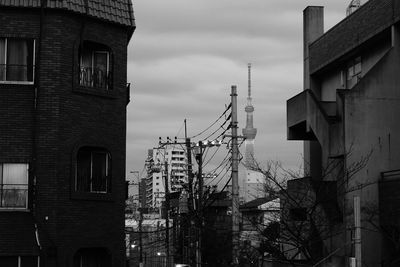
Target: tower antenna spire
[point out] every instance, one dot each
(249, 84)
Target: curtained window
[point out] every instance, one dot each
(95, 66)
(13, 185)
(93, 170)
(16, 60)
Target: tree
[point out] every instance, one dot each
(312, 211)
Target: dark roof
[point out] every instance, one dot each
(255, 202)
(117, 11)
(362, 25)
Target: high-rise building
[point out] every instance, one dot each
(63, 98)
(166, 163)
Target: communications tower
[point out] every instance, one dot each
(249, 132)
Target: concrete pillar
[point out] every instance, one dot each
(313, 28)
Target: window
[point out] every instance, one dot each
(19, 261)
(93, 170)
(354, 70)
(13, 186)
(16, 60)
(95, 66)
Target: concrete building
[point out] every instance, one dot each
(347, 116)
(63, 97)
(176, 160)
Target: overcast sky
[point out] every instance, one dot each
(185, 55)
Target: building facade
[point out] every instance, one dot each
(345, 115)
(169, 162)
(63, 97)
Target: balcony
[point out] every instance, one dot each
(95, 77)
(308, 118)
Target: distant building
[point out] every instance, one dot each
(176, 160)
(63, 98)
(347, 117)
(255, 217)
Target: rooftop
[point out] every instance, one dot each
(366, 22)
(117, 11)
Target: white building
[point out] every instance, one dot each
(170, 162)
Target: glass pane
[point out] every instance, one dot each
(14, 196)
(100, 69)
(2, 59)
(83, 171)
(86, 68)
(99, 172)
(17, 60)
(15, 174)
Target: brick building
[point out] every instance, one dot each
(63, 97)
(346, 116)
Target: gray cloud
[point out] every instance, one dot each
(185, 55)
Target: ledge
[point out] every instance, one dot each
(95, 91)
(108, 197)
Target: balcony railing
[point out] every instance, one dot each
(13, 196)
(94, 77)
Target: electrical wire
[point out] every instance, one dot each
(226, 110)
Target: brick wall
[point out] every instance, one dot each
(67, 118)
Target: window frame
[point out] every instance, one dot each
(353, 72)
(33, 61)
(14, 208)
(90, 47)
(108, 171)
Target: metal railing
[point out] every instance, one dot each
(94, 77)
(13, 196)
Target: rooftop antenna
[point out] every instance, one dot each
(353, 6)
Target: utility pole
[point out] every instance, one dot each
(167, 211)
(200, 202)
(189, 169)
(190, 199)
(357, 234)
(235, 179)
(140, 238)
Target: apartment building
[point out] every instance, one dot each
(169, 162)
(63, 98)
